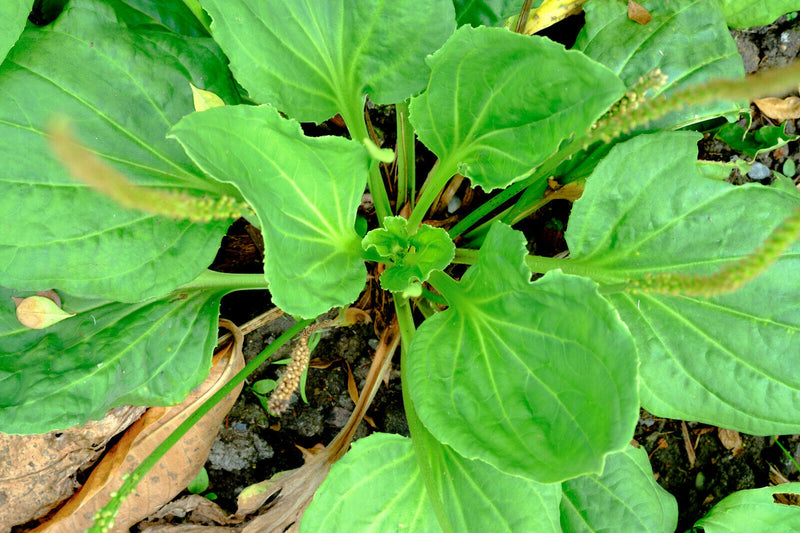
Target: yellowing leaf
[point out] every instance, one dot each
(550, 12)
(39, 312)
(205, 99)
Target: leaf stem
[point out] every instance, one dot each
(211, 279)
(353, 115)
(406, 158)
(103, 520)
(541, 265)
(419, 433)
(444, 170)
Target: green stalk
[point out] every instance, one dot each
(211, 279)
(353, 116)
(104, 519)
(475, 216)
(417, 430)
(406, 157)
(544, 170)
(445, 169)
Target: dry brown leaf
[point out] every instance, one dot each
(352, 388)
(190, 528)
(354, 315)
(687, 444)
(776, 477)
(51, 294)
(786, 498)
(37, 472)
(732, 440)
(171, 474)
(200, 510)
(779, 109)
(550, 12)
(637, 13)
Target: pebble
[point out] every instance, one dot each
(758, 172)
(453, 204)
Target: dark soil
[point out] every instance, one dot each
(252, 446)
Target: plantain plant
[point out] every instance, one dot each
(522, 396)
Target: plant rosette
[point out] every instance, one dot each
(522, 396)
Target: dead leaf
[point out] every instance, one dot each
(37, 472)
(776, 477)
(352, 388)
(172, 473)
(53, 295)
(732, 440)
(39, 312)
(308, 452)
(200, 510)
(354, 315)
(687, 444)
(637, 13)
(786, 498)
(779, 109)
(189, 528)
(550, 12)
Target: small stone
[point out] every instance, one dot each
(758, 172)
(453, 204)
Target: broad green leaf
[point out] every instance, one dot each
(487, 12)
(305, 192)
(376, 487)
(58, 233)
(625, 497)
(13, 16)
(743, 14)
(537, 379)
(148, 353)
(764, 139)
(729, 360)
(687, 39)
(754, 511)
(169, 14)
(477, 497)
(315, 58)
(498, 103)
(413, 257)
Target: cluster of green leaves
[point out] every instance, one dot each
(522, 396)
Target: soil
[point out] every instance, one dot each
(252, 446)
